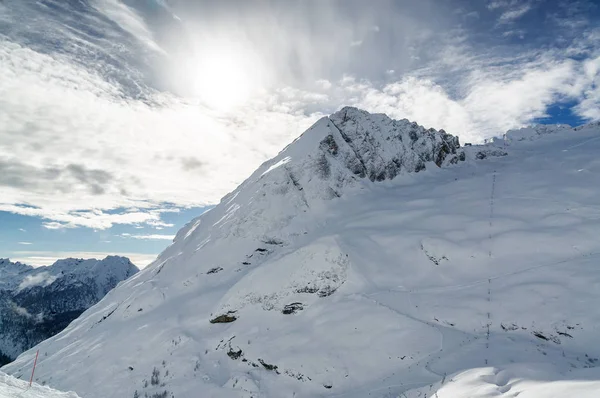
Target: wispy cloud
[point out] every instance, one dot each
(42, 278)
(94, 132)
(128, 19)
(514, 14)
(148, 237)
(97, 219)
(55, 225)
(25, 243)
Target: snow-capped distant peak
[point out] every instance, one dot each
(36, 303)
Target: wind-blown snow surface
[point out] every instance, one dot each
(343, 286)
(11, 387)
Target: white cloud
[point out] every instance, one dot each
(128, 19)
(95, 218)
(520, 33)
(148, 237)
(324, 84)
(589, 106)
(42, 278)
(25, 243)
(157, 224)
(21, 310)
(55, 225)
(22, 230)
(78, 151)
(139, 169)
(494, 4)
(514, 14)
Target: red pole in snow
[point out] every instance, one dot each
(33, 370)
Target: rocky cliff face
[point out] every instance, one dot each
(354, 144)
(37, 303)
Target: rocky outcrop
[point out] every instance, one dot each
(380, 148)
(357, 145)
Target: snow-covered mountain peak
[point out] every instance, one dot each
(14, 274)
(334, 155)
(11, 271)
(336, 270)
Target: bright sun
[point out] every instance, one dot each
(222, 80)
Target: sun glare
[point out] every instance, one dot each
(222, 80)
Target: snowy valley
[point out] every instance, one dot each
(370, 258)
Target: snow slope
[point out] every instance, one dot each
(11, 387)
(335, 270)
(525, 380)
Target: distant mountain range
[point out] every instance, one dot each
(37, 303)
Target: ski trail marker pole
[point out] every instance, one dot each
(33, 370)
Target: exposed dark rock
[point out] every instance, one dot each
(292, 308)
(267, 365)
(234, 354)
(365, 136)
(544, 337)
(329, 144)
(308, 289)
(214, 270)
(326, 291)
(564, 334)
(485, 153)
(273, 241)
(512, 326)
(225, 318)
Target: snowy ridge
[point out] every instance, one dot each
(19, 276)
(336, 154)
(342, 268)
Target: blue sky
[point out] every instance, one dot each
(120, 120)
(26, 239)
